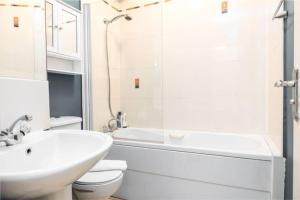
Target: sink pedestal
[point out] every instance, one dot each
(65, 194)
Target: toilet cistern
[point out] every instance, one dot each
(14, 134)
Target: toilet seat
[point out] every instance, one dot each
(103, 180)
(104, 171)
(98, 191)
(97, 178)
(110, 165)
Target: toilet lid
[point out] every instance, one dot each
(91, 178)
(110, 165)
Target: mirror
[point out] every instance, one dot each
(23, 39)
(50, 24)
(68, 33)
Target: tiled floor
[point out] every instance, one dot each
(111, 198)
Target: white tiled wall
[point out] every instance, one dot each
(274, 68)
(199, 69)
(218, 63)
(99, 11)
(141, 59)
(27, 42)
(213, 69)
(20, 97)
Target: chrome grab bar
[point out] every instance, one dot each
(278, 14)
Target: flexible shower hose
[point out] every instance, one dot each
(109, 77)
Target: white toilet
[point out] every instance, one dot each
(100, 182)
(103, 180)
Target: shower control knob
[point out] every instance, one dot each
(292, 101)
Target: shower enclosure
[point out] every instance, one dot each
(185, 72)
(188, 65)
(112, 123)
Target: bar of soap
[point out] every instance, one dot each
(176, 135)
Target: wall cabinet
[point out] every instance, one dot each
(63, 30)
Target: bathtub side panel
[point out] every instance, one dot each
(145, 186)
(227, 171)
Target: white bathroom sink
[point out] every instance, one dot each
(48, 162)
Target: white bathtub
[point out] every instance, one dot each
(191, 165)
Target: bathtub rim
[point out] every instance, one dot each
(186, 149)
(271, 150)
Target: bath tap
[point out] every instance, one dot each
(14, 135)
(22, 118)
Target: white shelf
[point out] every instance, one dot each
(69, 6)
(61, 56)
(66, 72)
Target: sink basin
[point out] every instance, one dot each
(48, 162)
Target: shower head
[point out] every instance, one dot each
(127, 17)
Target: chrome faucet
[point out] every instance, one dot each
(14, 134)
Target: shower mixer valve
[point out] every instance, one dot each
(294, 85)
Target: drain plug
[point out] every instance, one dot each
(28, 151)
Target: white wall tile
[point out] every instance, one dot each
(20, 97)
(99, 11)
(30, 35)
(274, 69)
(143, 112)
(199, 69)
(214, 65)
